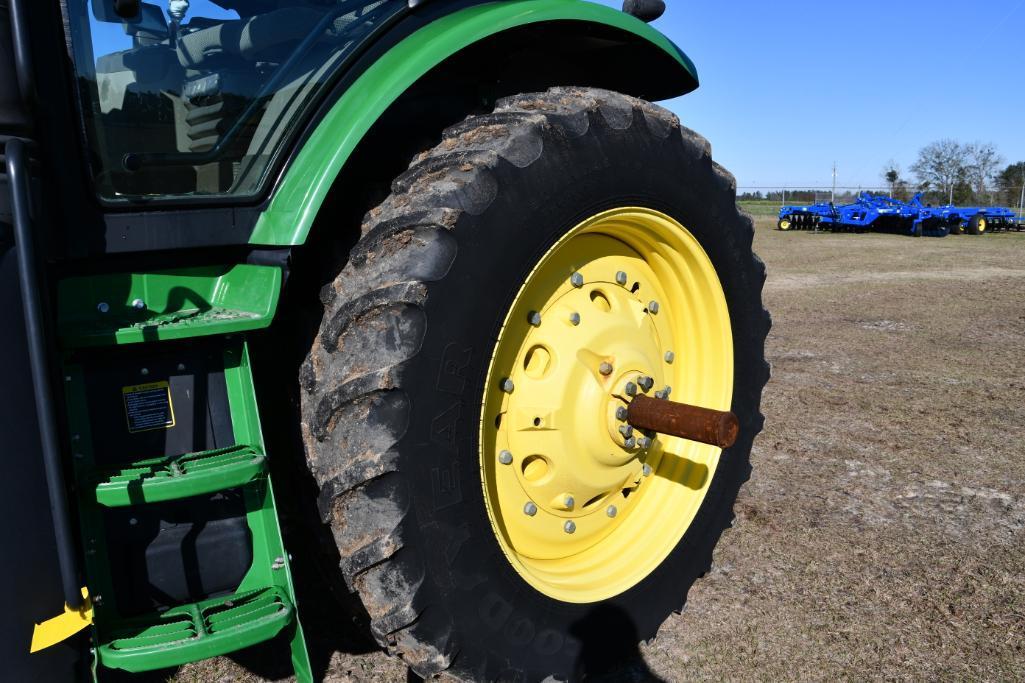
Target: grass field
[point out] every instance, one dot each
(881, 535)
(761, 208)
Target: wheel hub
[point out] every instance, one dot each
(570, 489)
(582, 349)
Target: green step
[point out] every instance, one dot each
(196, 631)
(131, 308)
(261, 605)
(183, 476)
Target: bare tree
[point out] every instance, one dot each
(942, 165)
(983, 161)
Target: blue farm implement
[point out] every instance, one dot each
(973, 220)
(879, 213)
(869, 212)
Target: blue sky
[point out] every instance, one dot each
(787, 88)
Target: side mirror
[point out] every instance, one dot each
(645, 10)
(116, 11)
(126, 9)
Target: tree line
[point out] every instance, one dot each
(844, 196)
(963, 173)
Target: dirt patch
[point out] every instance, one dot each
(882, 533)
(802, 280)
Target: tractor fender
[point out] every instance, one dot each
(585, 38)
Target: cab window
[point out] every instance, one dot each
(186, 99)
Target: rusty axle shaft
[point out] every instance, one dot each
(714, 427)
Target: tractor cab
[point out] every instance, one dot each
(186, 101)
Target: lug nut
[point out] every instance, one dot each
(103, 307)
(670, 356)
(534, 318)
(505, 457)
(660, 394)
(630, 388)
(630, 442)
(530, 509)
(668, 390)
(621, 278)
(626, 430)
(569, 502)
(507, 385)
(605, 368)
(576, 279)
(611, 511)
(570, 526)
(646, 470)
(653, 306)
(644, 442)
(621, 413)
(138, 304)
(574, 318)
(646, 382)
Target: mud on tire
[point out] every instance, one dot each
(392, 387)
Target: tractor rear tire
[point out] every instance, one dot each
(392, 388)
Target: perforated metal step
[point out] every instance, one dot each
(192, 474)
(196, 631)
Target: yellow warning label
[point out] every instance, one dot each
(148, 406)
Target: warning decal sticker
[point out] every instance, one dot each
(148, 406)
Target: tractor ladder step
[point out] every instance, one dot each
(184, 557)
(192, 474)
(131, 308)
(195, 631)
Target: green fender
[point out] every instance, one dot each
(297, 199)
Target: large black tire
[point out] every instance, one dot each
(977, 224)
(392, 387)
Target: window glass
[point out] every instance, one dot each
(198, 98)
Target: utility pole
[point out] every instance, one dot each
(1021, 199)
(832, 193)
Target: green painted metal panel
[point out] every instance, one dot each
(128, 308)
(296, 201)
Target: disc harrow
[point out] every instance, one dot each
(880, 213)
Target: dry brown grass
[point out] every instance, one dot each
(881, 535)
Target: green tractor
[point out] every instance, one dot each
(489, 318)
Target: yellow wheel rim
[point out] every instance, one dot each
(784, 224)
(982, 225)
(580, 514)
